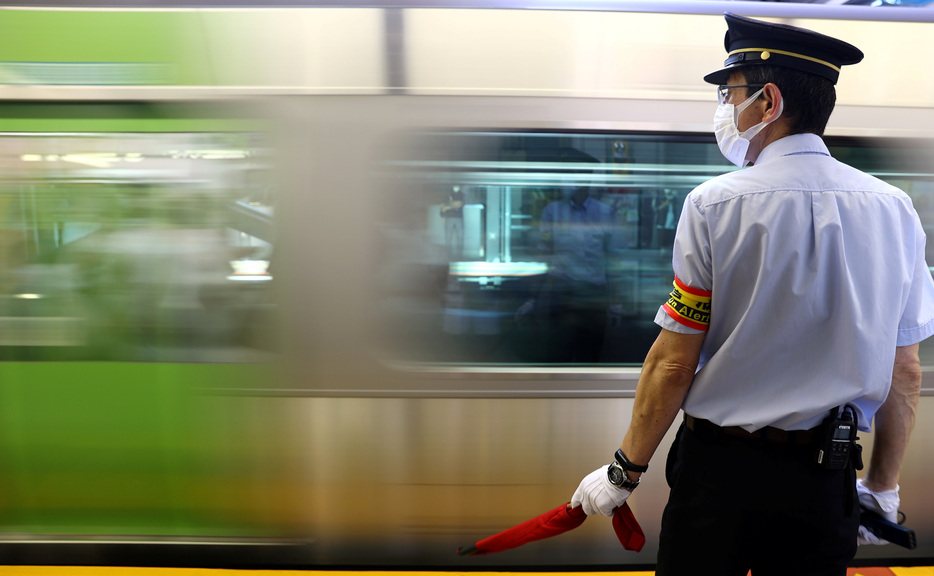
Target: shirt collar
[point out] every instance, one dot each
(793, 145)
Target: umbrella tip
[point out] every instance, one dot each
(467, 550)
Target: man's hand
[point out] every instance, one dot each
(597, 496)
(884, 504)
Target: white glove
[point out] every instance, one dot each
(884, 504)
(597, 495)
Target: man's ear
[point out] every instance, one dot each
(773, 102)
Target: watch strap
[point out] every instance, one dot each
(627, 465)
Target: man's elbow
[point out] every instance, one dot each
(908, 362)
(674, 372)
(907, 373)
(910, 374)
(674, 357)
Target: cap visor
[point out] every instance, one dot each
(719, 76)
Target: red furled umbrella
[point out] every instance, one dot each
(554, 522)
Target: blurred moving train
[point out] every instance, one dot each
(242, 324)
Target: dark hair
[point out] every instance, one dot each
(809, 98)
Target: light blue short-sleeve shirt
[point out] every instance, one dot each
(816, 273)
(581, 237)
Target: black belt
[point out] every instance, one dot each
(768, 434)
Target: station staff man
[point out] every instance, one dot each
(801, 295)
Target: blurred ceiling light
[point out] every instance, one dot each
(488, 269)
(252, 278)
(96, 160)
(249, 266)
(250, 271)
(224, 154)
(106, 159)
(211, 154)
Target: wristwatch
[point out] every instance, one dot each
(616, 473)
(618, 477)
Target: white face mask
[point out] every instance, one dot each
(733, 143)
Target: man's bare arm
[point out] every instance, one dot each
(666, 377)
(895, 420)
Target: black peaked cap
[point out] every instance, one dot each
(750, 42)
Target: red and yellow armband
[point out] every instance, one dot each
(689, 306)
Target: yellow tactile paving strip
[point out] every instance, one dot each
(121, 571)
(115, 571)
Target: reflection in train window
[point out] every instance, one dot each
(550, 248)
(134, 247)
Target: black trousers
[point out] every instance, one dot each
(738, 505)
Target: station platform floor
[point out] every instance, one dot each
(130, 571)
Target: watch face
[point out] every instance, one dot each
(615, 475)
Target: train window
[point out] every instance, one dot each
(538, 248)
(134, 247)
(551, 248)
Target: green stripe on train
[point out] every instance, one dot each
(134, 449)
(96, 117)
(106, 47)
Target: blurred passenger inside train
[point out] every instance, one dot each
(666, 211)
(453, 213)
(580, 240)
